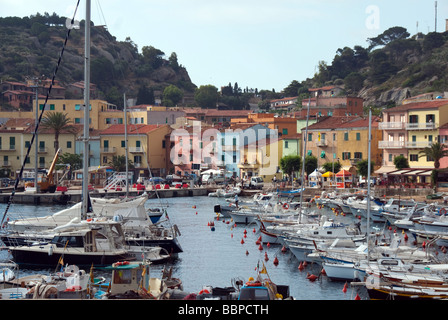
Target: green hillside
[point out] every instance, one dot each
(30, 46)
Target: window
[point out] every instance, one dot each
(413, 119)
(12, 143)
(285, 131)
(345, 136)
(346, 155)
(310, 137)
(358, 136)
(358, 155)
(413, 157)
(27, 144)
(286, 144)
(123, 143)
(69, 144)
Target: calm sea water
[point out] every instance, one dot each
(216, 257)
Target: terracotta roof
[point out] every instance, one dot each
(419, 105)
(132, 129)
(334, 122)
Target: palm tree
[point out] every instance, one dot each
(57, 122)
(436, 152)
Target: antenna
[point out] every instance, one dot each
(435, 18)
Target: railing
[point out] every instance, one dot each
(391, 144)
(321, 143)
(11, 148)
(391, 125)
(108, 150)
(422, 126)
(136, 149)
(418, 144)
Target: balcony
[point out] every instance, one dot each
(422, 126)
(10, 149)
(108, 150)
(391, 144)
(5, 163)
(136, 149)
(42, 150)
(391, 125)
(321, 143)
(418, 144)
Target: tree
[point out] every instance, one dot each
(435, 152)
(118, 163)
(173, 61)
(57, 122)
(310, 164)
(354, 82)
(153, 56)
(391, 34)
(401, 162)
(145, 95)
(73, 160)
(206, 96)
(432, 41)
(292, 90)
(172, 95)
(328, 166)
(290, 164)
(363, 167)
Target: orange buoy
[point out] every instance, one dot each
(424, 244)
(345, 288)
(283, 249)
(323, 272)
(194, 206)
(301, 267)
(275, 261)
(311, 277)
(305, 263)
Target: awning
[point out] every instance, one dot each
(399, 172)
(385, 169)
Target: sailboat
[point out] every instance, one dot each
(142, 238)
(81, 241)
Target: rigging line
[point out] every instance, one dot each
(19, 176)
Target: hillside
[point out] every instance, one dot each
(30, 46)
(393, 67)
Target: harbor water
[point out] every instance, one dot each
(216, 256)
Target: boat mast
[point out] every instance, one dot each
(303, 159)
(126, 144)
(85, 174)
(368, 184)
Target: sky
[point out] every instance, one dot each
(263, 44)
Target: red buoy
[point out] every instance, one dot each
(311, 277)
(242, 241)
(284, 249)
(357, 297)
(260, 247)
(345, 288)
(301, 267)
(275, 261)
(266, 256)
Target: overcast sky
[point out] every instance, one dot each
(258, 43)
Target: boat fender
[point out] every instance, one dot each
(286, 206)
(442, 211)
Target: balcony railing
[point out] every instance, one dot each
(391, 125)
(418, 144)
(391, 144)
(422, 126)
(321, 143)
(136, 149)
(11, 148)
(108, 150)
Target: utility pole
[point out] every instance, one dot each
(435, 18)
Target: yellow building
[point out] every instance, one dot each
(15, 139)
(146, 146)
(343, 139)
(261, 158)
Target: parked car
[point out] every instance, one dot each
(254, 183)
(157, 180)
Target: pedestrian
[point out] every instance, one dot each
(236, 201)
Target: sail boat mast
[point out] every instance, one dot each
(85, 174)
